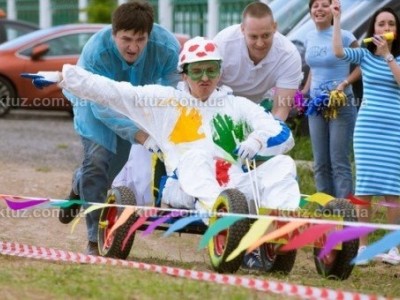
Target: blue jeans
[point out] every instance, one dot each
(331, 145)
(94, 177)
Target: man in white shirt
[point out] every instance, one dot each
(257, 58)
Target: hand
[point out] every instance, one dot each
(336, 8)
(43, 79)
(151, 145)
(248, 148)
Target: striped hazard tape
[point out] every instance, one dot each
(304, 292)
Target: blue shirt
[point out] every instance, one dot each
(156, 64)
(326, 69)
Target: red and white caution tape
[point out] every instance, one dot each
(304, 292)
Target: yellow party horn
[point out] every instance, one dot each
(389, 36)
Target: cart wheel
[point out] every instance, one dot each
(222, 245)
(274, 261)
(336, 264)
(109, 215)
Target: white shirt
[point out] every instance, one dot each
(281, 67)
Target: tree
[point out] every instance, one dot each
(100, 11)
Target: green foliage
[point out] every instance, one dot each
(100, 11)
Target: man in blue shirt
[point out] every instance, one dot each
(133, 49)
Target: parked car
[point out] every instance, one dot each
(10, 29)
(43, 50)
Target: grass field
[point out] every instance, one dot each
(24, 278)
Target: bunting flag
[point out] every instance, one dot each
(126, 213)
(18, 203)
(276, 233)
(139, 222)
(320, 198)
(356, 201)
(160, 221)
(388, 204)
(347, 234)
(389, 241)
(67, 203)
(308, 236)
(256, 231)
(181, 223)
(219, 225)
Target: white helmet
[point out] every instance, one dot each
(198, 49)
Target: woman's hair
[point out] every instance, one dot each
(311, 2)
(136, 15)
(371, 31)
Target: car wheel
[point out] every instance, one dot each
(7, 93)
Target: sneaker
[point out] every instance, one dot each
(92, 249)
(67, 214)
(392, 257)
(253, 261)
(361, 263)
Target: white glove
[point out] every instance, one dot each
(43, 79)
(151, 145)
(248, 148)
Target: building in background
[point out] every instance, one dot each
(193, 17)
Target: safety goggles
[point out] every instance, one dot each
(196, 71)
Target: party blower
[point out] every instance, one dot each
(389, 36)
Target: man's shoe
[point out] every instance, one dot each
(253, 261)
(92, 249)
(67, 214)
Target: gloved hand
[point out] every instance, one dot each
(151, 145)
(43, 79)
(248, 148)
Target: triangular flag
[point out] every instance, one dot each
(127, 212)
(75, 222)
(256, 231)
(221, 224)
(181, 223)
(383, 245)
(276, 233)
(139, 222)
(17, 204)
(347, 234)
(356, 201)
(95, 207)
(160, 221)
(67, 203)
(320, 198)
(307, 236)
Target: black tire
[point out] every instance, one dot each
(108, 217)
(7, 95)
(274, 261)
(222, 245)
(336, 265)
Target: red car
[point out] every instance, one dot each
(43, 50)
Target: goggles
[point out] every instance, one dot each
(196, 71)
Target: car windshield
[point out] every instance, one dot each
(288, 13)
(27, 38)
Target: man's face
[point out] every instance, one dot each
(258, 34)
(202, 78)
(130, 44)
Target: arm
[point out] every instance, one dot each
(383, 50)
(337, 35)
(122, 97)
(271, 136)
(283, 101)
